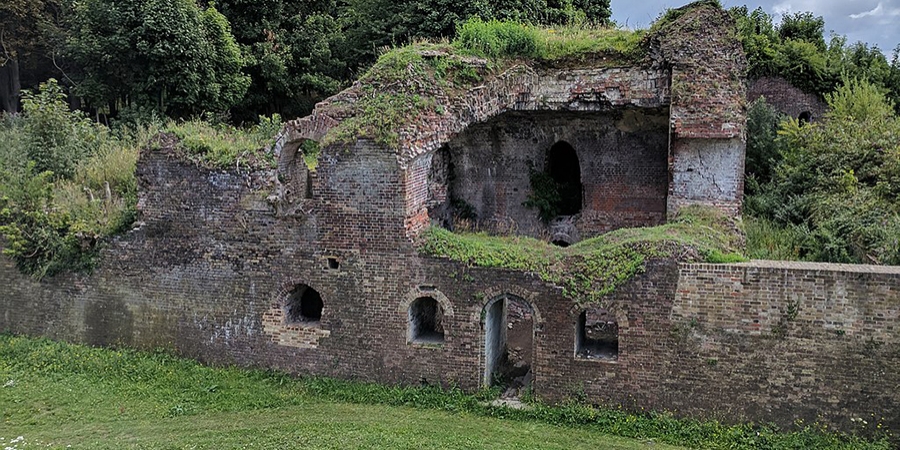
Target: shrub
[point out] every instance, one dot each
(834, 187)
(65, 184)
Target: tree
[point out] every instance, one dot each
(162, 55)
(838, 182)
(27, 29)
(295, 54)
(803, 26)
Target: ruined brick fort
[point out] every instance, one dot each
(319, 271)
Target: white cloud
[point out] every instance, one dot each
(879, 10)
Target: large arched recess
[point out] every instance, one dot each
(563, 166)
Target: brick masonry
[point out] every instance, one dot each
(208, 272)
(208, 268)
(786, 98)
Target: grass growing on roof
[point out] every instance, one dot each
(409, 82)
(593, 268)
(503, 39)
(227, 147)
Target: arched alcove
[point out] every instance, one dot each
(563, 166)
(426, 321)
(304, 305)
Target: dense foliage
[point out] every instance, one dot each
(796, 49)
(150, 400)
(137, 59)
(65, 182)
(156, 55)
(829, 191)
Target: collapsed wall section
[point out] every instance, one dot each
(491, 173)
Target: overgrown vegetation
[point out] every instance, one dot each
(593, 268)
(61, 394)
(503, 39)
(421, 79)
(827, 191)
(227, 147)
(67, 183)
(797, 50)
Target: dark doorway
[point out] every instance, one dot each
(563, 167)
(509, 344)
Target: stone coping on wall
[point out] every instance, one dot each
(802, 265)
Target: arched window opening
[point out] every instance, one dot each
(426, 319)
(304, 305)
(597, 335)
(564, 168)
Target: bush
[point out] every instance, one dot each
(56, 138)
(65, 184)
(834, 186)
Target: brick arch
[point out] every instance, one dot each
(518, 88)
(292, 334)
(424, 291)
(494, 293)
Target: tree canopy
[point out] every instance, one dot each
(167, 56)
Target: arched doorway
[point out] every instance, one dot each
(564, 168)
(509, 323)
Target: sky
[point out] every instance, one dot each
(876, 22)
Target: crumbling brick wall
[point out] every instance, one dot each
(787, 99)
(210, 270)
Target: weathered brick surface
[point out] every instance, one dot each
(210, 269)
(786, 98)
(622, 157)
(791, 340)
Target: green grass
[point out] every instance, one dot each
(502, 39)
(54, 394)
(593, 268)
(410, 82)
(227, 147)
(768, 240)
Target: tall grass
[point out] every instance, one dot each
(504, 39)
(225, 146)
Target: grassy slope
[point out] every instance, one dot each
(68, 395)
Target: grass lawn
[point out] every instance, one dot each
(56, 395)
(318, 424)
(60, 395)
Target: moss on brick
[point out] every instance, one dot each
(422, 80)
(595, 267)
